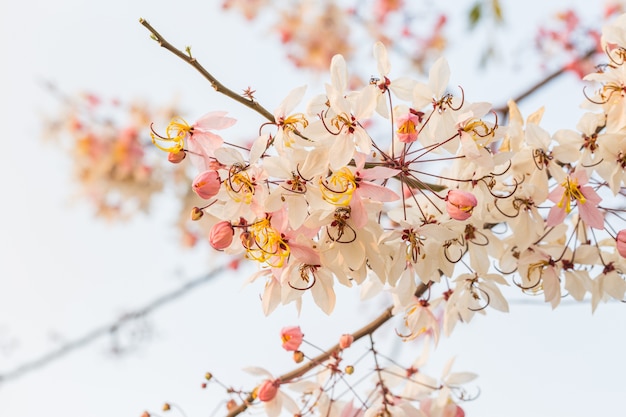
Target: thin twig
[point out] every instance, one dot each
(219, 87)
(106, 329)
(366, 330)
(535, 87)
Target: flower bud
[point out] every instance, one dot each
(207, 184)
(291, 337)
(298, 356)
(268, 390)
(208, 376)
(176, 157)
(349, 370)
(460, 204)
(221, 235)
(166, 407)
(620, 242)
(345, 341)
(196, 213)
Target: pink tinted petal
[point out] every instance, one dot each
(378, 173)
(214, 121)
(377, 192)
(620, 242)
(555, 216)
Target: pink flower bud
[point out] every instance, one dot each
(207, 184)
(460, 204)
(291, 337)
(221, 235)
(267, 390)
(620, 242)
(345, 341)
(176, 157)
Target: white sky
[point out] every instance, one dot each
(62, 272)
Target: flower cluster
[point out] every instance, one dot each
(106, 141)
(445, 193)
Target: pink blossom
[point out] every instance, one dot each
(221, 235)
(407, 127)
(620, 242)
(291, 337)
(268, 389)
(207, 184)
(573, 190)
(460, 204)
(345, 341)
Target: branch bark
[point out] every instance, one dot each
(540, 84)
(219, 87)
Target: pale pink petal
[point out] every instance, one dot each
(377, 192)
(214, 121)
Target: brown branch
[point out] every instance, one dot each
(535, 87)
(368, 329)
(219, 87)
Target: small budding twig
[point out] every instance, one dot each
(219, 87)
(366, 330)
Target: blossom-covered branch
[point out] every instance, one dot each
(401, 185)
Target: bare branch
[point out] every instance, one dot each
(106, 329)
(219, 87)
(540, 84)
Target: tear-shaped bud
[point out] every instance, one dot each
(349, 370)
(176, 157)
(166, 407)
(196, 213)
(208, 376)
(268, 390)
(221, 235)
(207, 184)
(459, 204)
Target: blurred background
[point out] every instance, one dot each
(110, 304)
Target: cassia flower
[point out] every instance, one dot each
(291, 337)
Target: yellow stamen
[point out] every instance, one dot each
(407, 128)
(267, 245)
(339, 189)
(240, 186)
(478, 129)
(571, 192)
(175, 135)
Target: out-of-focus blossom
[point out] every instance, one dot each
(291, 337)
